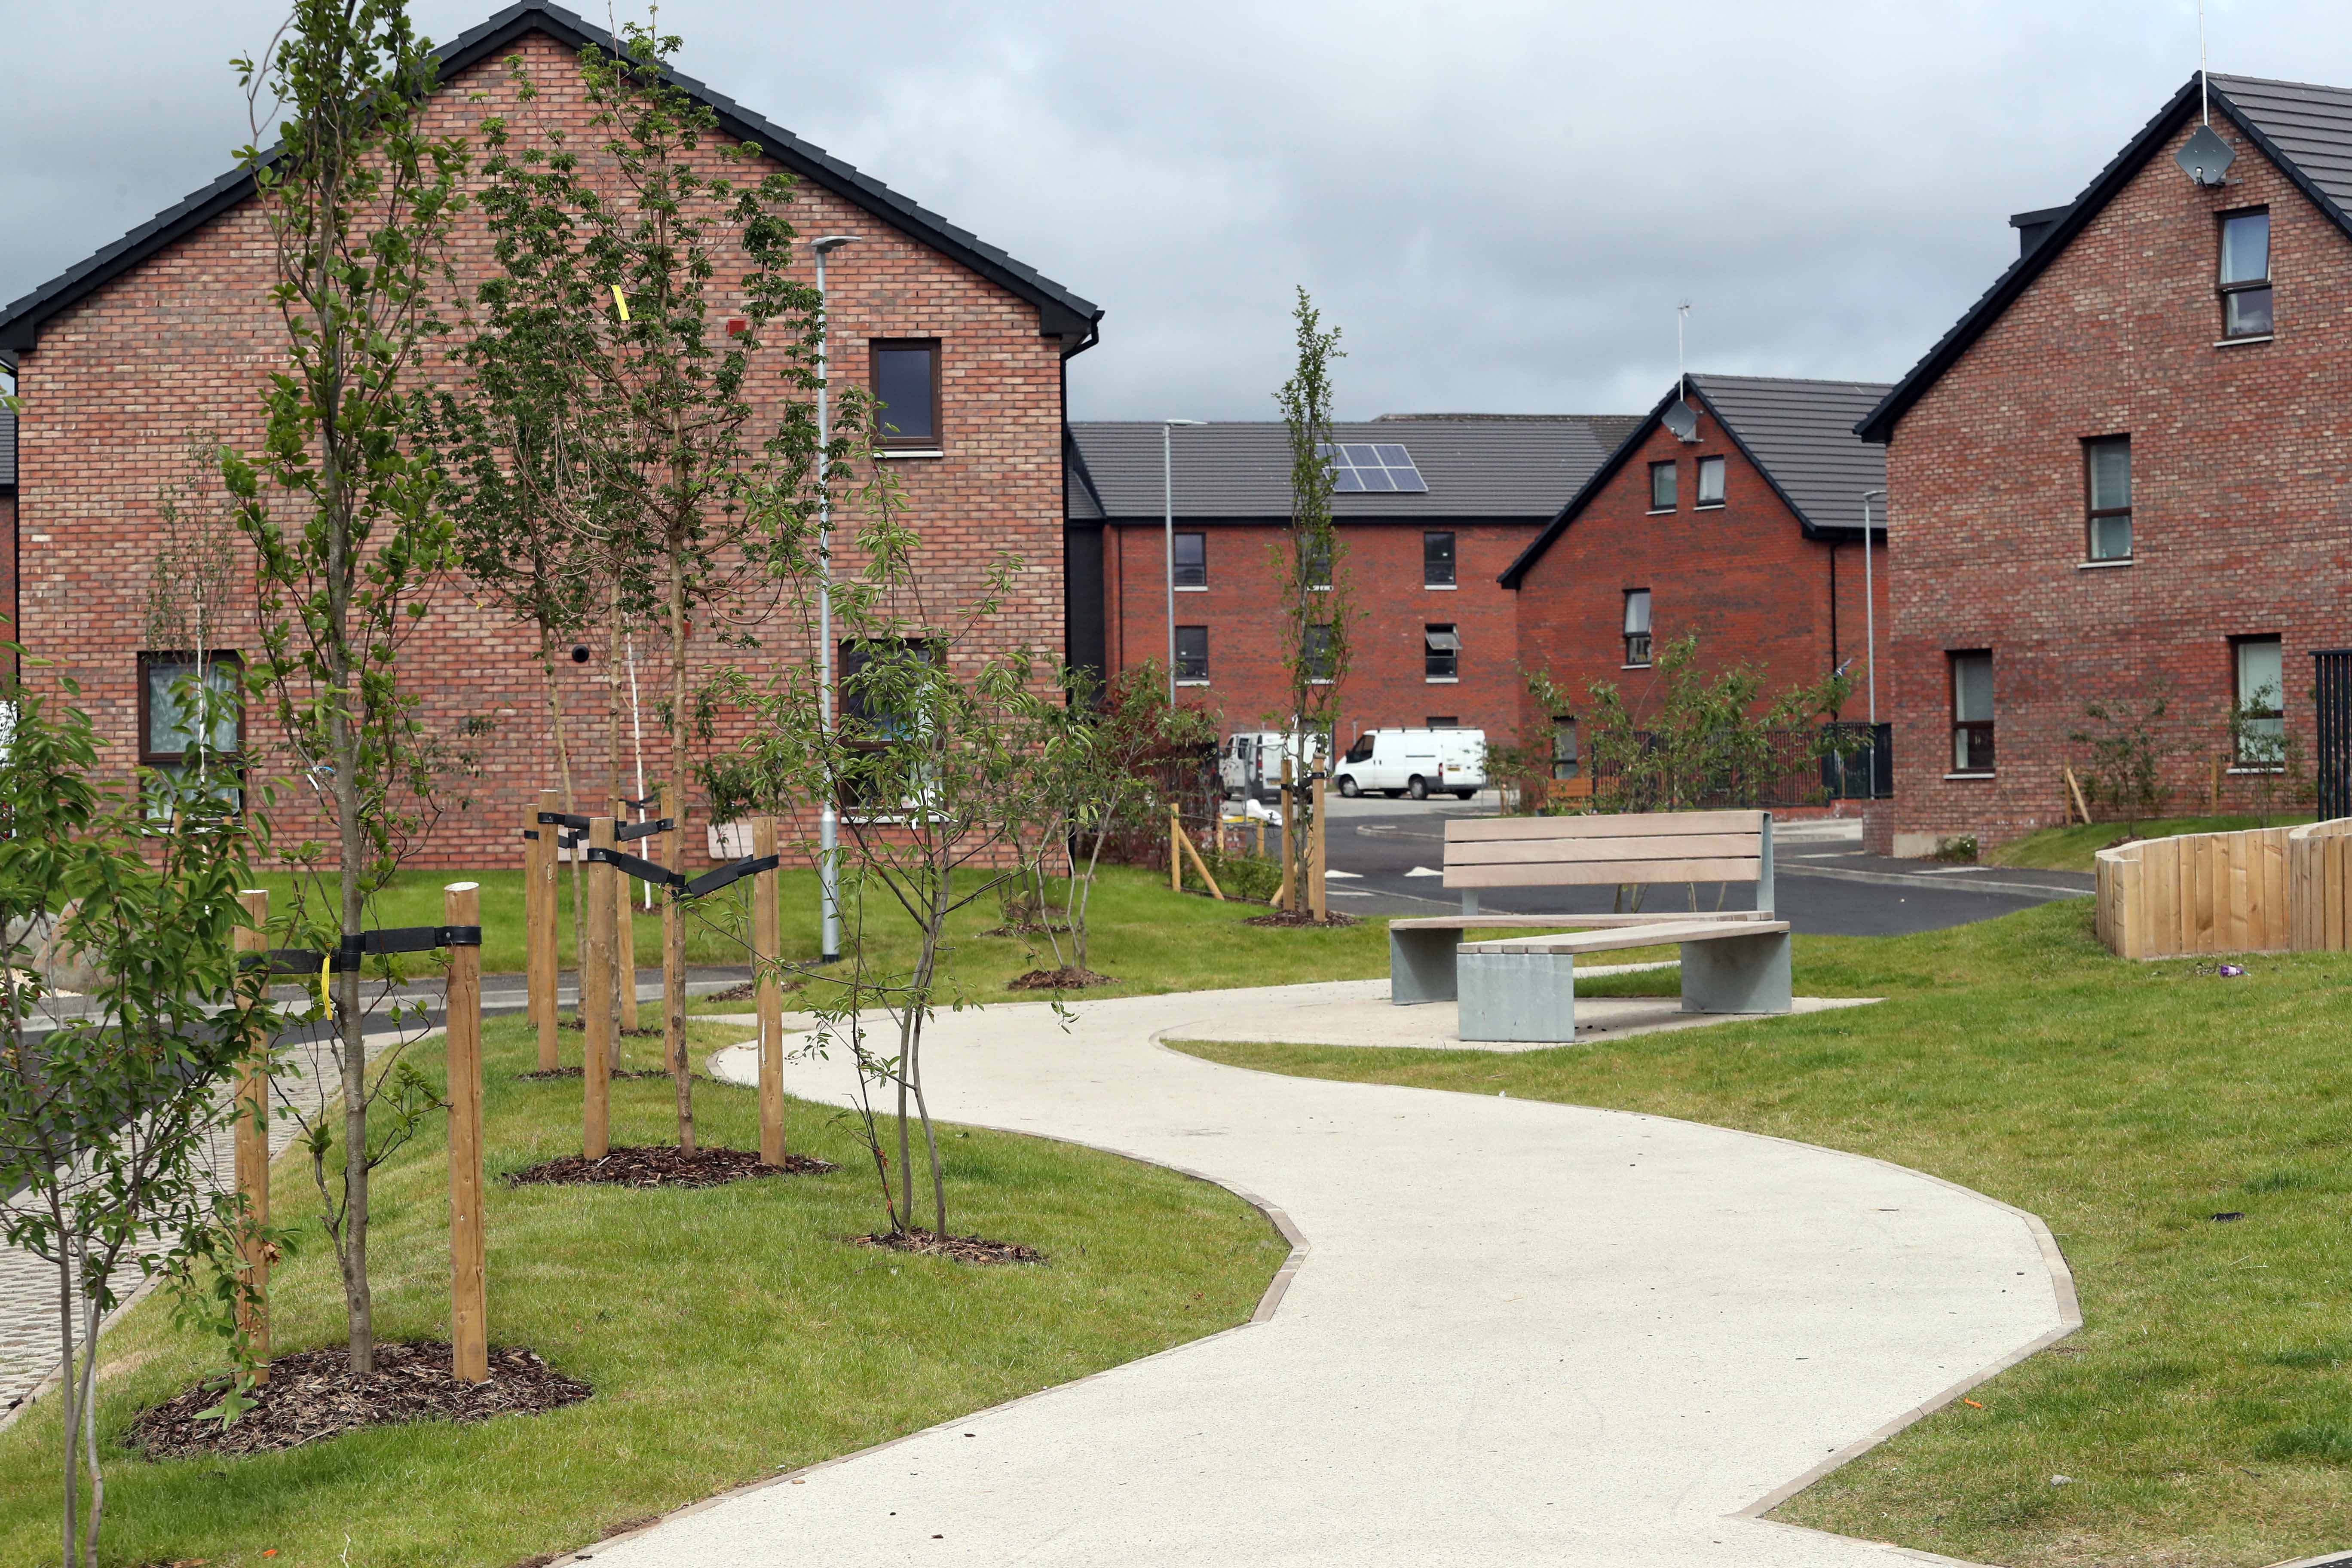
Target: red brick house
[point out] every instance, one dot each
(1429, 510)
(2122, 475)
(169, 330)
(1746, 529)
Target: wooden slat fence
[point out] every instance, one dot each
(2265, 890)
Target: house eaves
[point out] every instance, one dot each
(1060, 314)
(2285, 104)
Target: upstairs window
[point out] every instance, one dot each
(192, 730)
(906, 385)
(1315, 655)
(1193, 655)
(2260, 723)
(1191, 560)
(2246, 275)
(1662, 487)
(1971, 712)
(1315, 563)
(2106, 470)
(1710, 481)
(1437, 561)
(1440, 653)
(1637, 628)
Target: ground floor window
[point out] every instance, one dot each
(1565, 763)
(1440, 653)
(2258, 718)
(1971, 712)
(1193, 655)
(192, 728)
(1637, 627)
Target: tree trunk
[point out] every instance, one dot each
(68, 1392)
(570, 806)
(97, 1519)
(625, 965)
(673, 927)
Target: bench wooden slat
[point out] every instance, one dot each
(1632, 825)
(1545, 922)
(1601, 873)
(1656, 936)
(1556, 851)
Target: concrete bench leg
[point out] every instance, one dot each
(1737, 974)
(1420, 965)
(1527, 997)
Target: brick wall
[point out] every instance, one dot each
(1387, 684)
(186, 341)
(2241, 493)
(1743, 577)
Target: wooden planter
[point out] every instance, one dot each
(2264, 889)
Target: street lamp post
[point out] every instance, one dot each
(1168, 498)
(828, 854)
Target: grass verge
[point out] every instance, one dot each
(728, 1332)
(2072, 847)
(2205, 1410)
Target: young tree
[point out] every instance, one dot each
(106, 1107)
(2125, 773)
(671, 240)
(1315, 607)
(341, 507)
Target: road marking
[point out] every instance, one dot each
(1424, 871)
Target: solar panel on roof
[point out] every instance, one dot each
(1358, 466)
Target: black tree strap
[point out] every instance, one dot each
(647, 804)
(663, 877)
(354, 951)
(635, 830)
(711, 881)
(630, 866)
(563, 819)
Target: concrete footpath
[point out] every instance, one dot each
(1515, 1332)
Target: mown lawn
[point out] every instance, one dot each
(2205, 1410)
(729, 1333)
(2072, 847)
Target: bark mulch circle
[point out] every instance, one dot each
(749, 991)
(664, 1165)
(958, 1248)
(310, 1397)
(1070, 977)
(550, 1075)
(1298, 917)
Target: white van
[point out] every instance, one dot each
(1417, 763)
(1250, 766)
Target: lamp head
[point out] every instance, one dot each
(831, 243)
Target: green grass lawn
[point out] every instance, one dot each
(729, 1333)
(2071, 848)
(2205, 1409)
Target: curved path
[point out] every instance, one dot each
(1517, 1333)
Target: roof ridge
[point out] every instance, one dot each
(1061, 311)
(2277, 81)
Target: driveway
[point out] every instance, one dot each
(1517, 1333)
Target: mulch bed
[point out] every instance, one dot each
(959, 1249)
(749, 991)
(310, 1397)
(664, 1165)
(1068, 978)
(577, 1027)
(1299, 918)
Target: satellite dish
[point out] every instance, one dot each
(1679, 419)
(2205, 157)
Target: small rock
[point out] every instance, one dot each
(2062, 1480)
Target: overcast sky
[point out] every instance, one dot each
(1499, 202)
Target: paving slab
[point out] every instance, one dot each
(1517, 1331)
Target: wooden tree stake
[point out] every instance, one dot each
(2079, 805)
(767, 935)
(625, 939)
(469, 1351)
(1201, 866)
(1175, 855)
(1321, 902)
(542, 962)
(596, 997)
(253, 1153)
(1289, 896)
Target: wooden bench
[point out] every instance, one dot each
(1524, 988)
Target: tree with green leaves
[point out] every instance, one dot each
(108, 1102)
(342, 507)
(1310, 569)
(668, 244)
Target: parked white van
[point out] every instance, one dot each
(1417, 763)
(1250, 766)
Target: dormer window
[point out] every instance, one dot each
(2246, 275)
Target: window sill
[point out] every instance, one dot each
(894, 453)
(1201, 682)
(1950, 776)
(1661, 511)
(1191, 587)
(1318, 683)
(1637, 667)
(2103, 565)
(1441, 681)
(2270, 770)
(2240, 343)
(1709, 506)
(1441, 587)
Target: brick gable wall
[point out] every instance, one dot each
(1387, 684)
(1743, 577)
(186, 341)
(2240, 486)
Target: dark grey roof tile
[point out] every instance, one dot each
(1801, 434)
